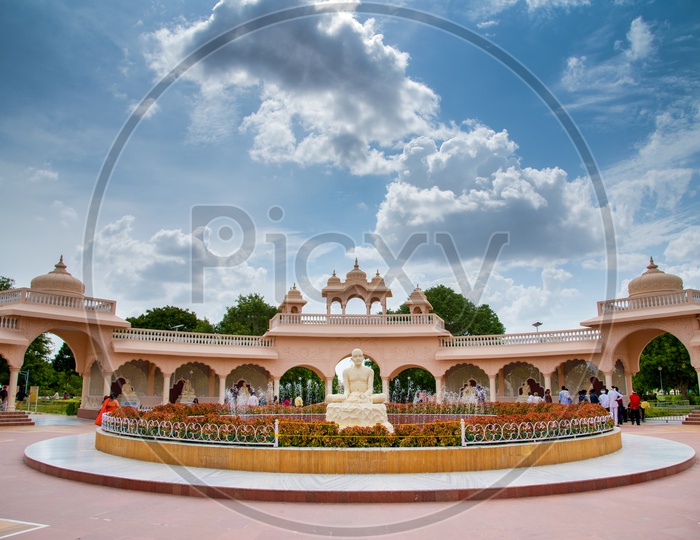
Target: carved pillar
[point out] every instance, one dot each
(385, 387)
(222, 390)
(151, 382)
(86, 389)
(548, 381)
(276, 387)
(106, 383)
(628, 383)
(492, 387)
(608, 379)
(212, 383)
(561, 376)
(12, 390)
(329, 386)
(166, 388)
(502, 381)
(438, 389)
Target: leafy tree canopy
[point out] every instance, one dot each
(677, 373)
(171, 318)
(64, 361)
(249, 317)
(462, 317)
(6, 283)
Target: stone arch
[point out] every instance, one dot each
(405, 389)
(462, 376)
(201, 377)
(519, 378)
(579, 374)
(311, 389)
(250, 377)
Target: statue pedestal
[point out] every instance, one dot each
(358, 414)
(129, 400)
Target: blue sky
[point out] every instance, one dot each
(325, 129)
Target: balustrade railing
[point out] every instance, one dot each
(688, 296)
(193, 338)
(559, 336)
(8, 322)
(311, 319)
(28, 296)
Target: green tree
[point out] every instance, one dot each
(409, 381)
(6, 283)
(462, 317)
(677, 373)
(64, 361)
(37, 362)
(249, 317)
(171, 318)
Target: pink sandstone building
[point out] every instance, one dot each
(156, 365)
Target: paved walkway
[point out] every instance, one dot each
(669, 507)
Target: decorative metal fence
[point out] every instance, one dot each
(268, 435)
(226, 434)
(478, 434)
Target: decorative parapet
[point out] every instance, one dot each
(29, 296)
(560, 336)
(8, 322)
(687, 296)
(193, 338)
(311, 319)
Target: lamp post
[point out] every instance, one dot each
(661, 381)
(537, 325)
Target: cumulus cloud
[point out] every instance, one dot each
(157, 270)
(330, 90)
(471, 185)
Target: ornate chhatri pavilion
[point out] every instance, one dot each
(605, 350)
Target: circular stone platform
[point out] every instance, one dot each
(641, 459)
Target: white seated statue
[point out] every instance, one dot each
(358, 405)
(128, 396)
(188, 394)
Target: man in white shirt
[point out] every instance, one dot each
(253, 400)
(604, 400)
(613, 395)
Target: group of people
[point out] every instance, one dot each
(612, 401)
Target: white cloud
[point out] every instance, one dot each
(67, 216)
(331, 91)
(605, 79)
(35, 175)
(641, 40)
(472, 185)
(684, 247)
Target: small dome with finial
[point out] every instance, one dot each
(334, 279)
(654, 281)
(356, 274)
(59, 281)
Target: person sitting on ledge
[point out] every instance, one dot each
(358, 381)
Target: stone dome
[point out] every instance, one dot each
(654, 281)
(378, 280)
(58, 281)
(334, 279)
(356, 274)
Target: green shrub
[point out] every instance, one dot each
(72, 408)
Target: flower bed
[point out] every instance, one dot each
(210, 423)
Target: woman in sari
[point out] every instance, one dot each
(109, 404)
